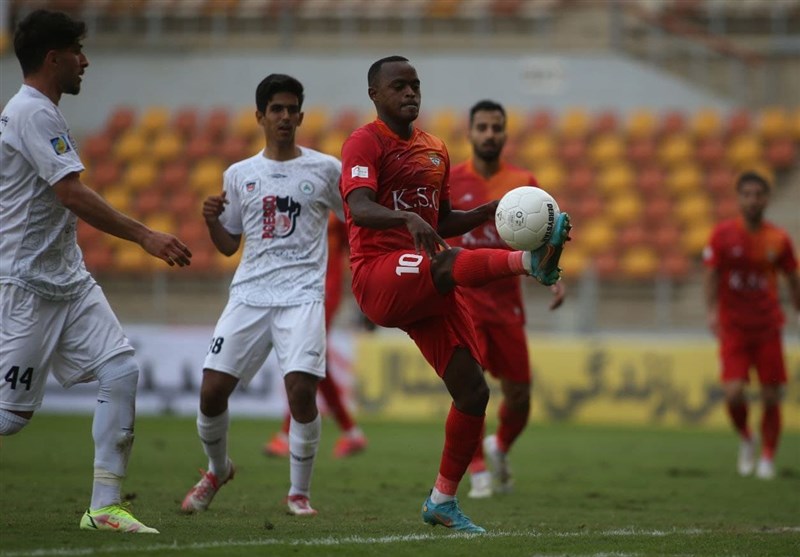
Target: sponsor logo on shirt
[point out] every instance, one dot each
(359, 172)
(61, 144)
(277, 175)
(306, 187)
(250, 187)
(279, 216)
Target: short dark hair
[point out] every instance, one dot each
(487, 105)
(753, 176)
(375, 68)
(42, 31)
(276, 83)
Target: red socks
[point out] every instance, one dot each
(511, 425)
(770, 430)
(738, 413)
(477, 267)
(462, 435)
(333, 399)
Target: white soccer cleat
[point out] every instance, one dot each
(299, 505)
(203, 492)
(498, 462)
(747, 457)
(481, 485)
(765, 469)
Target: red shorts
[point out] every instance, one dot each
(504, 351)
(740, 350)
(397, 290)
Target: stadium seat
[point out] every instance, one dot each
(744, 151)
(161, 221)
(446, 124)
(194, 233)
(583, 208)
(551, 176)
(331, 143)
(515, 123)
(781, 153)
(166, 146)
(227, 264)
(695, 238)
(130, 258)
(580, 180)
(676, 149)
(174, 176)
(460, 149)
(726, 208)
(594, 236)
(657, 209)
(607, 149)
(140, 175)
(130, 147)
(315, 121)
(233, 148)
(651, 181)
(605, 122)
(606, 264)
(639, 263)
(574, 124)
(720, 181)
(573, 263)
(206, 177)
(738, 122)
(154, 120)
(685, 179)
(693, 208)
(631, 235)
(105, 173)
(442, 9)
(774, 123)
(120, 121)
(147, 201)
(672, 122)
(537, 148)
(119, 198)
(710, 151)
(96, 147)
(185, 122)
(641, 151)
(706, 123)
(674, 265)
(665, 237)
(624, 208)
(216, 123)
(572, 151)
(200, 147)
(794, 124)
(641, 123)
(542, 121)
(245, 125)
(616, 179)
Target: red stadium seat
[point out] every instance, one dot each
(710, 151)
(216, 123)
(672, 122)
(632, 235)
(674, 265)
(233, 149)
(105, 173)
(542, 121)
(726, 208)
(658, 209)
(572, 151)
(720, 181)
(184, 122)
(580, 180)
(148, 201)
(605, 122)
(665, 237)
(651, 181)
(174, 176)
(738, 122)
(97, 147)
(121, 120)
(606, 265)
(639, 263)
(200, 147)
(641, 151)
(781, 153)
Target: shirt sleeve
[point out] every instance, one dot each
(231, 217)
(788, 261)
(444, 195)
(52, 150)
(360, 157)
(711, 251)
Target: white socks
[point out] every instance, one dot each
(303, 443)
(214, 436)
(438, 497)
(112, 427)
(10, 423)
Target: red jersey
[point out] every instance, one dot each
(748, 263)
(406, 175)
(495, 301)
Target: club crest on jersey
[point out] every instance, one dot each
(250, 187)
(359, 172)
(306, 187)
(61, 144)
(279, 216)
(435, 158)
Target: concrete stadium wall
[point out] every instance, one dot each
(207, 79)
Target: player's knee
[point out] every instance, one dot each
(120, 374)
(11, 423)
(442, 270)
(301, 392)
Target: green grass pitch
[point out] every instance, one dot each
(580, 491)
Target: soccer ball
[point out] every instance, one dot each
(525, 217)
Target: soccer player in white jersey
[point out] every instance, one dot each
(53, 316)
(279, 199)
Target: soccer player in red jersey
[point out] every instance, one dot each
(743, 259)
(395, 184)
(497, 308)
(352, 441)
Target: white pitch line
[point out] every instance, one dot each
(359, 540)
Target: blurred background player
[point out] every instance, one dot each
(54, 316)
(397, 203)
(352, 440)
(497, 308)
(280, 200)
(743, 259)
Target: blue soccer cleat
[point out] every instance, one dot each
(449, 515)
(544, 260)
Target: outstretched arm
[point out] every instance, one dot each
(455, 223)
(92, 208)
(367, 213)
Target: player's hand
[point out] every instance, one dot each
(167, 247)
(213, 207)
(425, 237)
(559, 292)
(491, 209)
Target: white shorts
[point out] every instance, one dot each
(71, 338)
(245, 335)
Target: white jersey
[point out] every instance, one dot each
(282, 209)
(38, 244)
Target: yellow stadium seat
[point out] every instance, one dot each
(537, 149)
(129, 257)
(315, 120)
(515, 122)
(639, 263)
(245, 124)
(551, 176)
(460, 149)
(140, 175)
(574, 123)
(332, 143)
(119, 198)
(706, 123)
(162, 222)
(166, 147)
(227, 264)
(154, 120)
(206, 177)
(131, 146)
(695, 238)
(624, 208)
(794, 124)
(773, 123)
(641, 123)
(446, 123)
(693, 208)
(606, 149)
(593, 236)
(744, 151)
(616, 179)
(676, 149)
(685, 179)
(574, 263)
